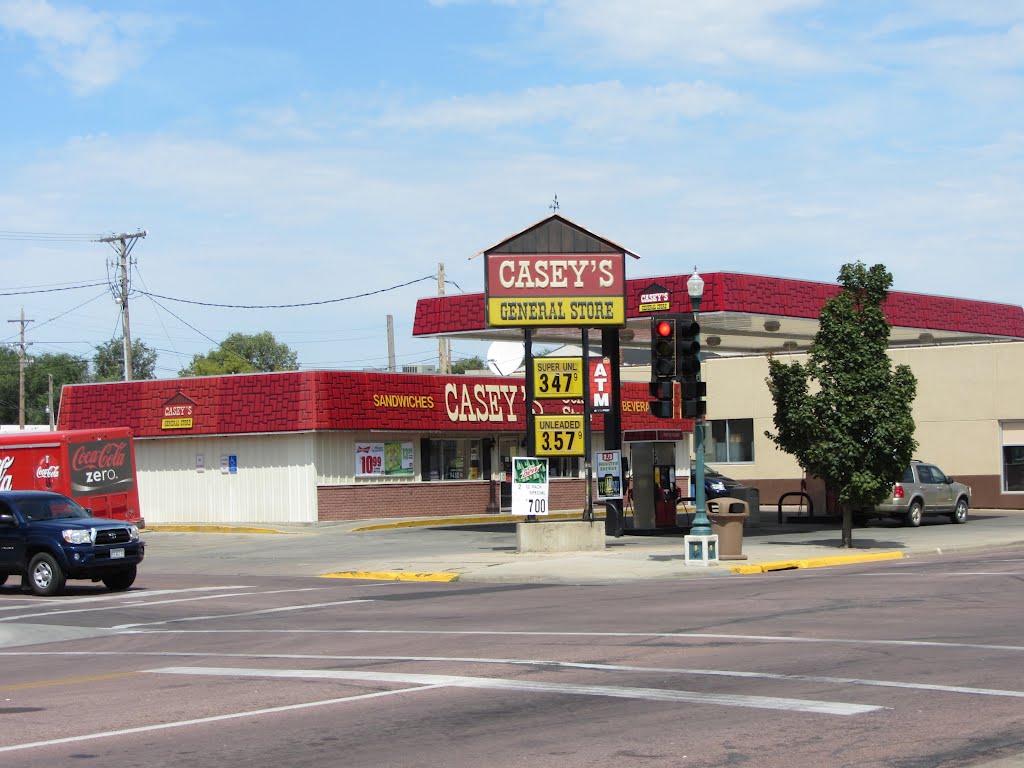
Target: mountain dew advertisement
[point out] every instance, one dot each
(529, 486)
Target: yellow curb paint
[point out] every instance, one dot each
(816, 562)
(391, 576)
(209, 529)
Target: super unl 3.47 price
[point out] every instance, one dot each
(559, 435)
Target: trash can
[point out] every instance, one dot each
(727, 516)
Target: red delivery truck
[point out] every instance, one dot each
(95, 467)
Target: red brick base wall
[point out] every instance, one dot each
(369, 502)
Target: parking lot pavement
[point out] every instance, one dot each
(483, 549)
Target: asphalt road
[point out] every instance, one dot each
(909, 664)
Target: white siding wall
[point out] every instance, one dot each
(336, 456)
(275, 482)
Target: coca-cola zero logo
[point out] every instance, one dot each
(109, 455)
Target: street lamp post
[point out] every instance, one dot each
(701, 525)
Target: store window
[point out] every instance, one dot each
(729, 441)
(453, 459)
(564, 466)
(1013, 456)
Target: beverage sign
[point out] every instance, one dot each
(559, 435)
(608, 468)
(529, 486)
(578, 290)
(557, 377)
(101, 466)
(384, 459)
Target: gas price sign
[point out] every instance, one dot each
(558, 435)
(557, 378)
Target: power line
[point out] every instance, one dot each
(60, 237)
(53, 290)
(290, 306)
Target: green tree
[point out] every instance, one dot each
(854, 427)
(244, 353)
(65, 369)
(469, 364)
(8, 385)
(108, 362)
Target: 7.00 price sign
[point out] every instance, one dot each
(558, 435)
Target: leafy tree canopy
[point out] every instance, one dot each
(65, 369)
(469, 364)
(108, 362)
(845, 414)
(244, 353)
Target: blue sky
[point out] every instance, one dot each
(293, 153)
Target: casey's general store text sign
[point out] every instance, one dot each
(576, 290)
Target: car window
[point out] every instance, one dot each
(65, 508)
(925, 473)
(908, 475)
(937, 475)
(34, 509)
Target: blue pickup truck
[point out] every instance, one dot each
(47, 538)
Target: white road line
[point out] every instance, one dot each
(211, 719)
(958, 689)
(124, 597)
(460, 681)
(669, 635)
(222, 596)
(928, 575)
(283, 609)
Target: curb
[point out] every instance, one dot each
(211, 529)
(391, 576)
(815, 562)
(465, 520)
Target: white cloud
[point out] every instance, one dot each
(90, 49)
(591, 105)
(713, 32)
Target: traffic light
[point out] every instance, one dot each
(663, 393)
(692, 389)
(663, 365)
(663, 347)
(687, 347)
(692, 396)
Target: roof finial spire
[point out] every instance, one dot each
(554, 204)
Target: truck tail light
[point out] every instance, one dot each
(897, 492)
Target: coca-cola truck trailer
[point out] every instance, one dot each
(95, 467)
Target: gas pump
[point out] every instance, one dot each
(654, 488)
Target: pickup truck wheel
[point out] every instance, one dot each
(960, 512)
(121, 580)
(45, 575)
(913, 516)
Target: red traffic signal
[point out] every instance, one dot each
(663, 347)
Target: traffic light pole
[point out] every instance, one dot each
(701, 525)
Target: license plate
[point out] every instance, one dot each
(116, 553)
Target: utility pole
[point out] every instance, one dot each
(123, 245)
(391, 344)
(444, 346)
(21, 370)
(49, 399)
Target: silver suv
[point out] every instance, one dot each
(925, 490)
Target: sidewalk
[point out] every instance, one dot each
(768, 547)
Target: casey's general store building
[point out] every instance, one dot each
(309, 446)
